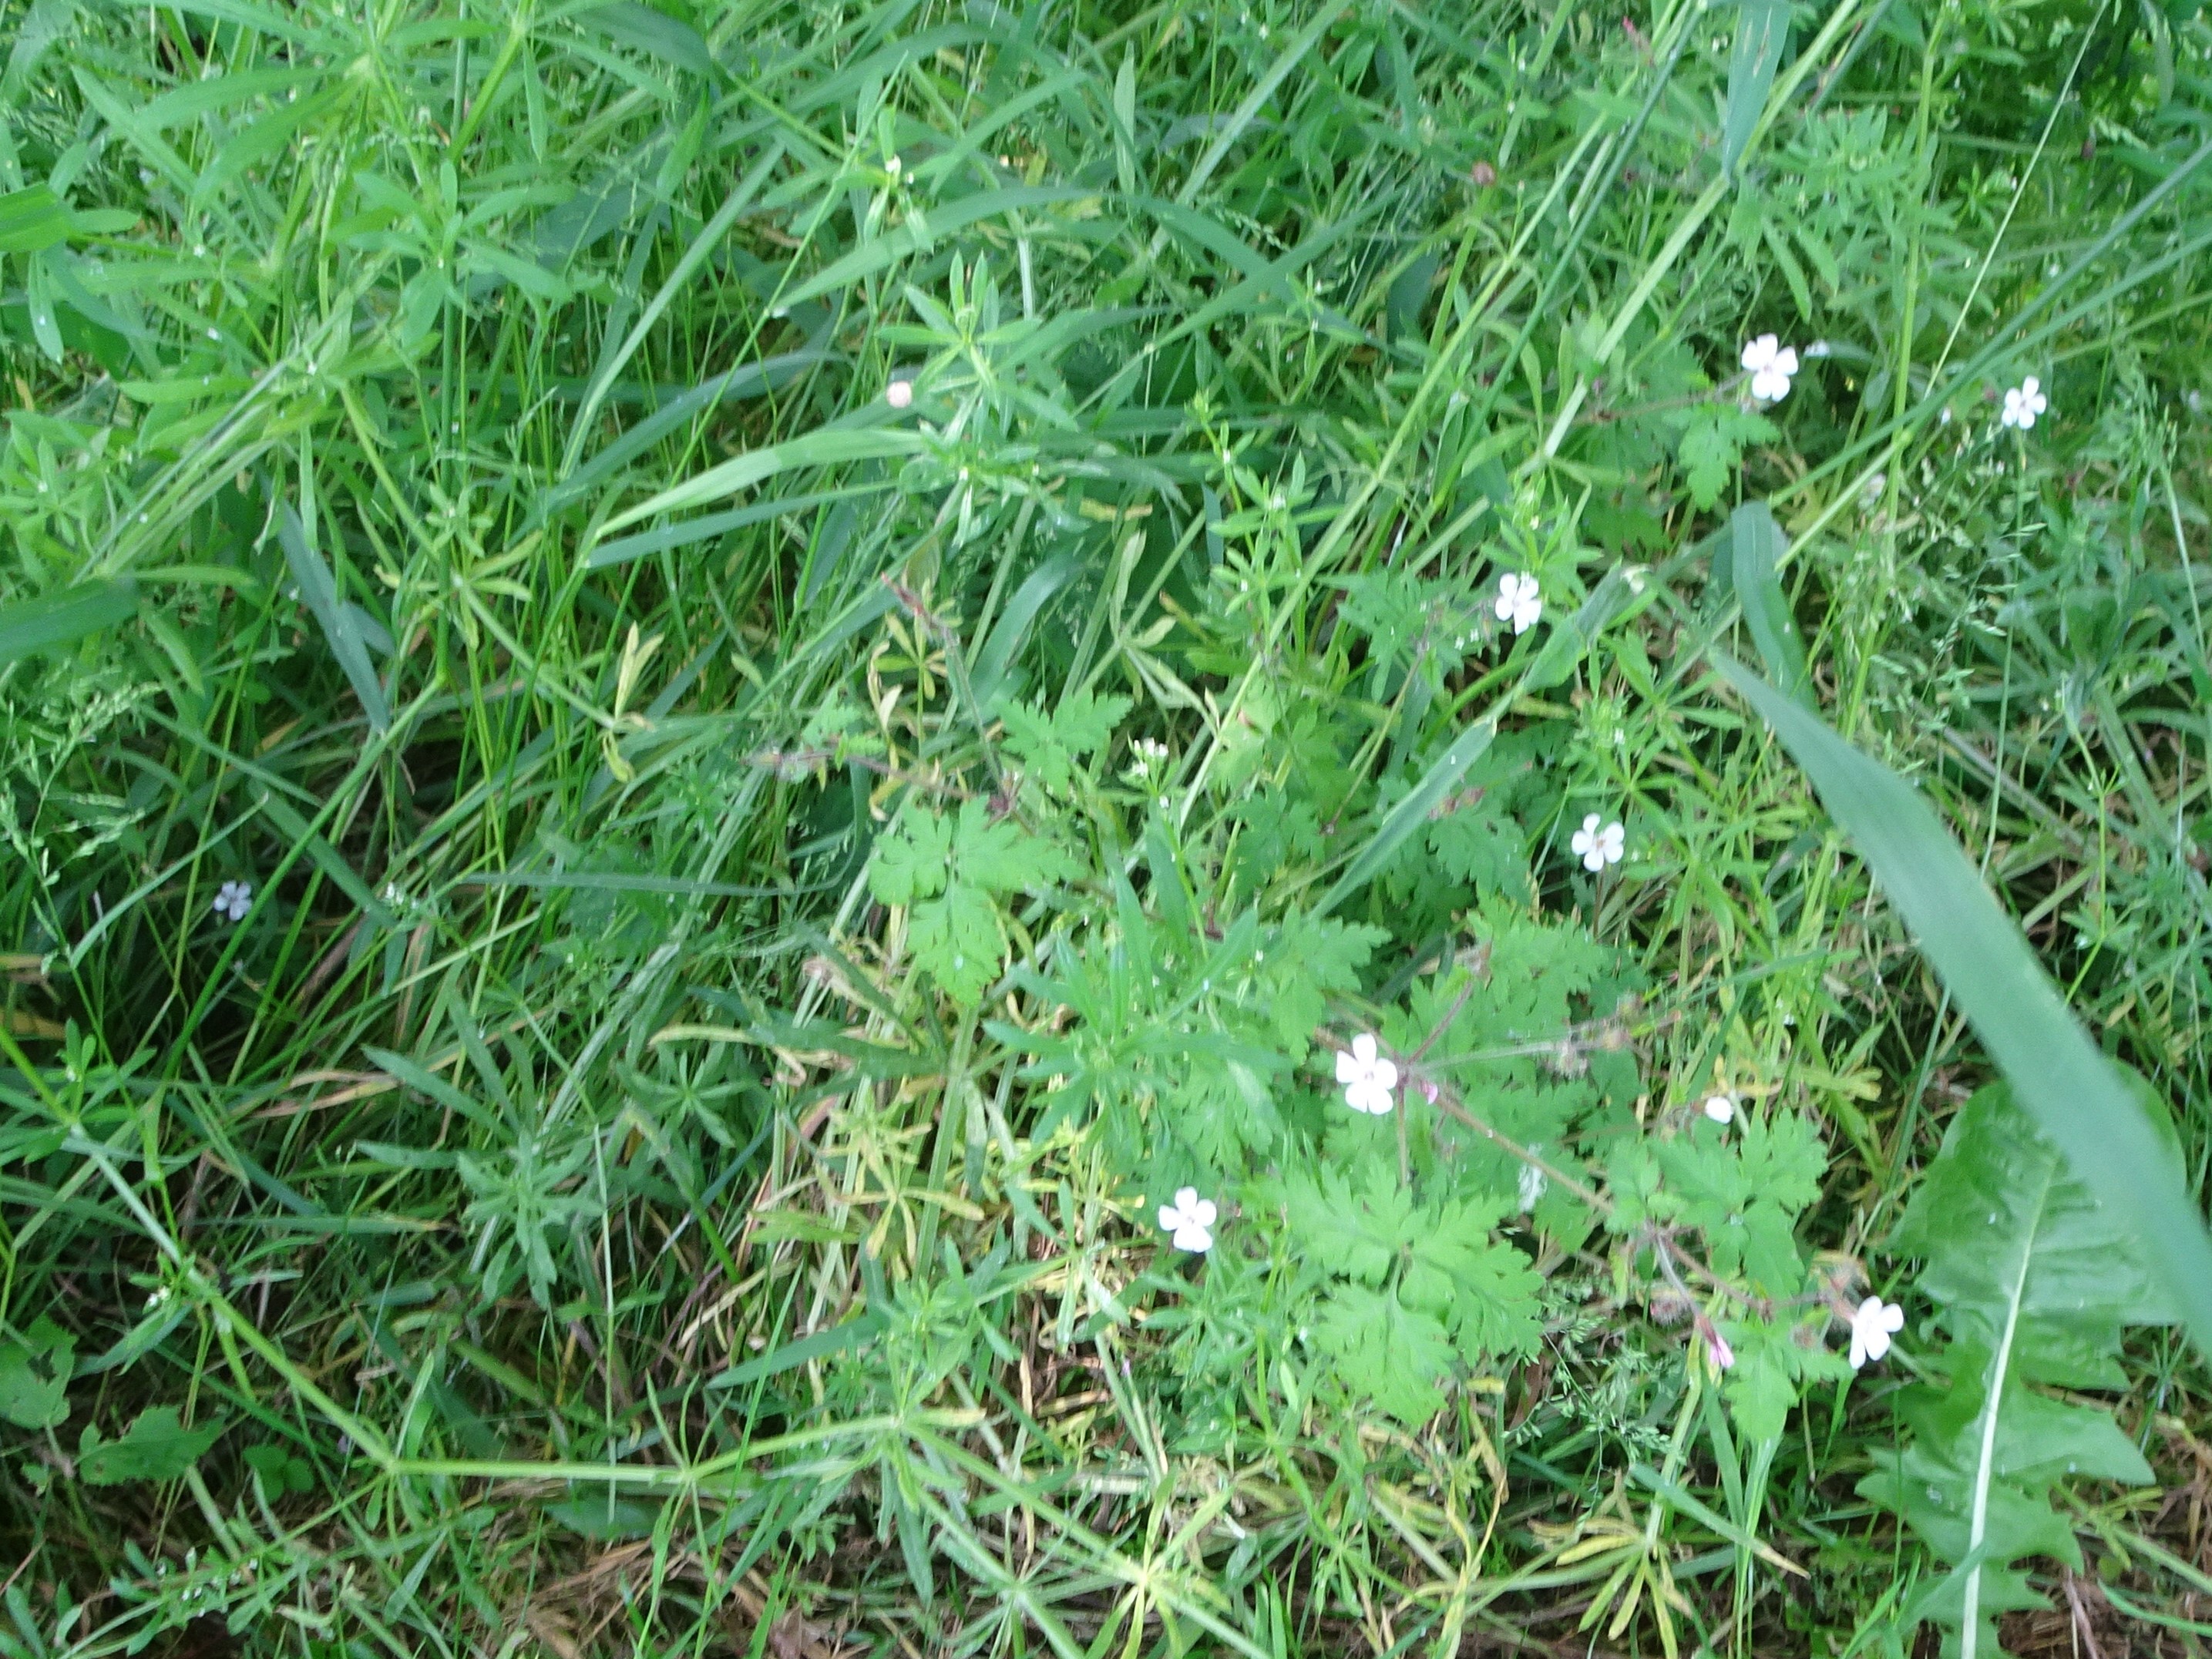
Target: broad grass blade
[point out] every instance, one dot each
(2073, 1092)
(1762, 30)
(32, 220)
(823, 448)
(320, 590)
(1409, 814)
(1757, 544)
(52, 619)
(1013, 626)
(656, 34)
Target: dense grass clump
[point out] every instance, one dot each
(937, 828)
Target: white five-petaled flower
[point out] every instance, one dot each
(1519, 601)
(1721, 1108)
(1872, 1327)
(899, 393)
(1190, 1219)
(1771, 365)
(2023, 403)
(1368, 1076)
(234, 900)
(1598, 848)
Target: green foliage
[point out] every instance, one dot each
(34, 1375)
(843, 646)
(1713, 447)
(2034, 1282)
(947, 872)
(1412, 1287)
(157, 1446)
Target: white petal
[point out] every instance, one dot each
(1194, 1239)
(1385, 1074)
(1785, 361)
(1531, 1187)
(1204, 1213)
(1369, 1097)
(1363, 1046)
(1347, 1068)
(1590, 824)
(1170, 1217)
(1759, 352)
(1858, 1349)
(1185, 1197)
(1892, 1318)
(2030, 386)
(1593, 859)
(1721, 1108)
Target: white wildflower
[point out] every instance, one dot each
(899, 393)
(1872, 1327)
(234, 900)
(1720, 1109)
(1519, 601)
(2023, 403)
(1596, 847)
(1368, 1076)
(1190, 1219)
(1771, 365)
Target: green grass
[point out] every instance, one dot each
(666, 1163)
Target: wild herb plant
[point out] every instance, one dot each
(933, 829)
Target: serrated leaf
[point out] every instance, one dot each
(34, 1375)
(999, 856)
(913, 861)
(957, 939)
(1713, 448)
(1030, 737)
(1385, 1352)
(2035, 1280)
(156, 1446)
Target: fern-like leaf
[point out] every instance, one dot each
(2034, 1280)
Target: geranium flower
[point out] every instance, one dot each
(1190, 1219)
(1519, 601)
(234, 900)
(1872, 1327)
(1598, 848)
(1771, 365)
(2023, 403)
(1368, 1076)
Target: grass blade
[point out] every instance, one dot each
(52, 619)
(2069, 1089)
(1762, 30)
(32, 220)
(320, 590)
(1757, 544)
(825, 448)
